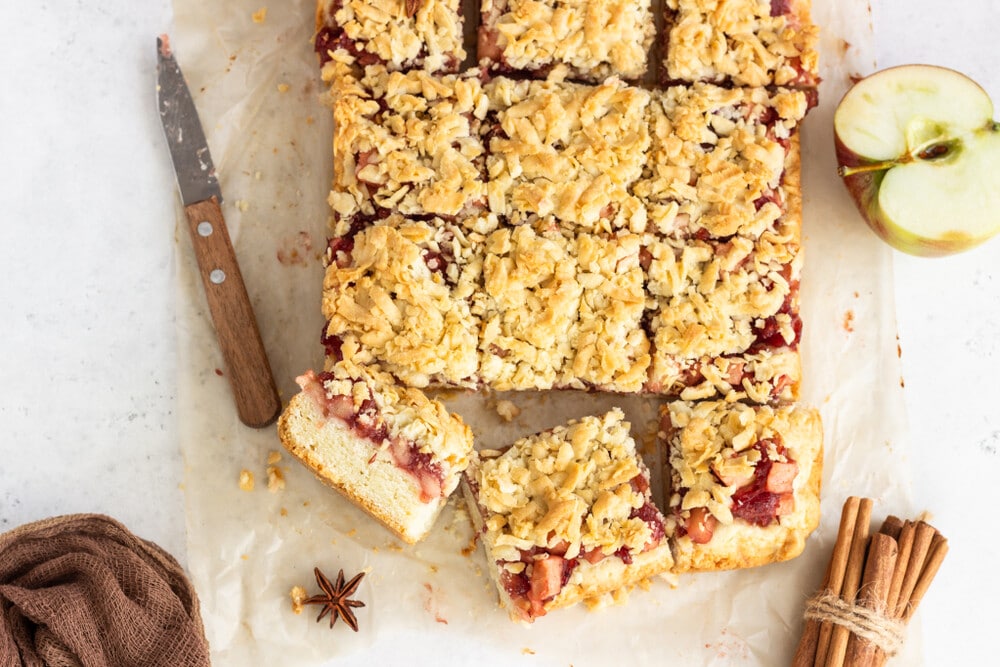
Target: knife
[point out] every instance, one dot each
(250, 377)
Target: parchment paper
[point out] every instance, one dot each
(256, 86)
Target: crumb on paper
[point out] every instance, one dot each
(298, 595)
(242, 205)
(527, 651)
(395, 547)
(470, 548)
(283, 512)
(310, 120)
(246, 480)
(433, 568)
(275, 479)
(296, 249)
(849, 321)
(260, 15)
(256, 175)
(283, 87)
(507, 410)
(244, 557)
(305, 503)
(274, 456)
(352, 532)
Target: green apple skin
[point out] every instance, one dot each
(864, 188)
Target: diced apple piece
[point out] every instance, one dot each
(546, 578)
(786, 504)
(781, 476)
(919, 152)
(700, 525)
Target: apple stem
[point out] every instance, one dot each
(865, 168)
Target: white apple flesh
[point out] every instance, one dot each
(920, 154)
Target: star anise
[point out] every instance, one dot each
(335, 598)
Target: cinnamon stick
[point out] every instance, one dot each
(930, 569)
(882, 554)
(904, 541)
(816, 636)
(915, 564)
(892, 526)
(852, 577)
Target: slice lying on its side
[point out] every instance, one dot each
(741, 482)
(389, 449)
(566, 515)
(920, 154)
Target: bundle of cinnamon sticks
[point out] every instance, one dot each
(872, 587)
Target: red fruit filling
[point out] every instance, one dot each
(332, 345)
(780, 7)
(367, 423)
(768, 495)
(767, 335)
(547, 569)
(333, 38)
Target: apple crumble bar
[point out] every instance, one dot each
(741, 42)
(592, 39)
(742, 482)
(387, 448)
(397, 34)
(566, 515)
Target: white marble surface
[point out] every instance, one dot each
(87, 381)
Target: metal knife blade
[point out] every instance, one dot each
(249, 371)
(188, 148)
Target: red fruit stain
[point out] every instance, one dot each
(295, 249)
(849, 321)
(430, 605)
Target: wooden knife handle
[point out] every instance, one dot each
(249, 372)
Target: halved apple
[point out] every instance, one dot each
(919, 152)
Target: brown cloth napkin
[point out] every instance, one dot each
(82, 590)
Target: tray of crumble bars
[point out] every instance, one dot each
(555, 336)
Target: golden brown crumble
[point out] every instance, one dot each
(403, 301)
(571, 485)
(594, 38)
(430, 38)
(740, 42)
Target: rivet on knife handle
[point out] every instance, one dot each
(239, 338)
(249, 372)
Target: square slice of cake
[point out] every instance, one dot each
(724, 319)
(566, 515)
(593, 39)
(529, 300)
(722, 162)
(742, 482)
(565, 154)
(407, 143)
(388, 449)
(398, 34)
(741, 42)
(562, 310)
(398, 294)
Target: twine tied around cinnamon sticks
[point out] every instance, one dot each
(872, 587)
